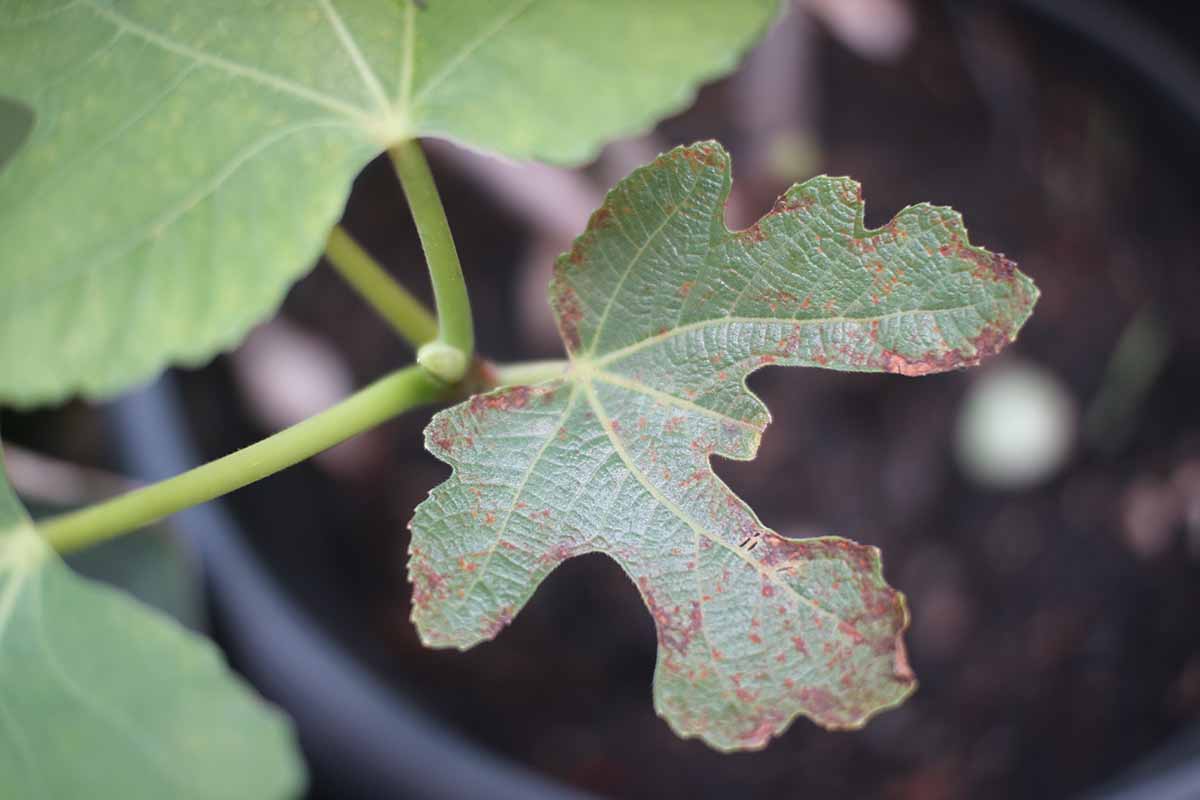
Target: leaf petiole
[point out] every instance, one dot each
(455, 328)
(389, 396)
(407, 315)
(528, 373)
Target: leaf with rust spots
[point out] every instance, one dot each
(664, 312)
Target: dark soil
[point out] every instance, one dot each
(1053, 649)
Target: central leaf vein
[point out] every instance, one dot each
(650, 341)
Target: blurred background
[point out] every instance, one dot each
(1042, 513)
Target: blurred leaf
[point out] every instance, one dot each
(1136, 362)
(664, 312)
(101, 697)
(189, 159)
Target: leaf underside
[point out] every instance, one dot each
(664, 312)
(189, 159)
(101, 697)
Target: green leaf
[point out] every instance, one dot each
(153, 567)
(189, 159)
(664, 313)
(101, 697)
(16, 121)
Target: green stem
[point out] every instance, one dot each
(382, 400)
(527, 373)
(455, 329)
(407, 315)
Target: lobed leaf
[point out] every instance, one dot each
(188, 159)
(664, 312)
(101, 697)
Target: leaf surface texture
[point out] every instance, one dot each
(664, 312)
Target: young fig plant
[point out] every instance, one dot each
(664, 312)
(232, 132)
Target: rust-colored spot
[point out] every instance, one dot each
(787, 203)
(777, 298)
(848, 630)
(674, 628)
(503, 400)
(428, 584)
(993, 266)
(754, 234)
(900, 666)
(686, 288)
(701, 155)
(439, 434)
(570, 314)
(498, 623)
(989, 342)
(746, 696)
(558, 554)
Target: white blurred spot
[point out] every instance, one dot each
(1016, 426)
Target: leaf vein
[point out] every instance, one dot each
(650, 341)
(369, 78)
(512, 506)
(276, 82)
(634, 261)
(18, 303)
(468, 51)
